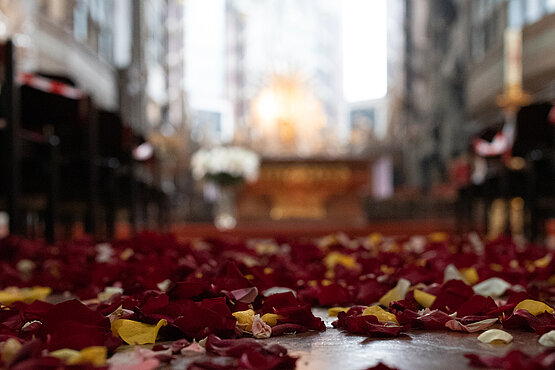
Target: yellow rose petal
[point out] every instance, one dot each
(271, 318)
(334, 311)
(534, 307)
(9, 349)
(244, 319)
(387, 270)
(470, 274)
(95, 355)
(336, 258)
(66, 354)
(28, 295)
(375, 238)
(326, 282)
(126, 254)
(396, 294)
(424, 299)
(496, 267)
(381, 314)
(543, 262)
(134, 332)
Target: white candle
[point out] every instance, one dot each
(513, 57)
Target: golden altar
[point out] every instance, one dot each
(308, 189)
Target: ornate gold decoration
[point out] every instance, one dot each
(300, 190)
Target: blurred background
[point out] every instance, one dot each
(395, 113)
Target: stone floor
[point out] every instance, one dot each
(334, 349)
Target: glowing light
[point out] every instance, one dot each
(288, 119)
(267, 106)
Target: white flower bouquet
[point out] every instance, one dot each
(225, 165)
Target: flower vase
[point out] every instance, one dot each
(225, 217)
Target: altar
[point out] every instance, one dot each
(316, 189)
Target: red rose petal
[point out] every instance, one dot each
(301, 314)
(288, 329)
(197, 321)
(381, 366)
(477, 305)
(522, 319)
(452, 295)
(263, 360)
(514, 360)
(279, 300)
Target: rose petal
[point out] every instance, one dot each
(477, 305)
(74, 335)
(108, 292)
(492, 287)
(193, 349)
(396, 294)
(179, 344)
(432, 320)
(514, 360)
(43, 363)
(134, 332)
(424, 299)
(548, 339)
(9, 349)
(11, 295)
(495, 335)
(120, 313)
(333, 311)
(381, 314)
(281, 329)
(301, 314)
(231, 347)
(95, 356)
(470, 328)
(132, 360)
(271, 318)
(452, 295)
(244, 319)
(381, 366)
(534, 307)
(260, 329)
(369, 325)
(245, 295)
(262, 360)
(452, 273)
(470, 275)
(522, 319)
(208, 316)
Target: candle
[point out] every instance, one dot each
(513, 57)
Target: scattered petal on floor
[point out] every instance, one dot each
(492, 287)
(134, 332)
(548, 339)
(494, 336)
(470, 328)
(534, 307)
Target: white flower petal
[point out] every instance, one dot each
(495, 335)
(493, 287)
(548, 339)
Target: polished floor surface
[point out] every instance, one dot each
(334, 349)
